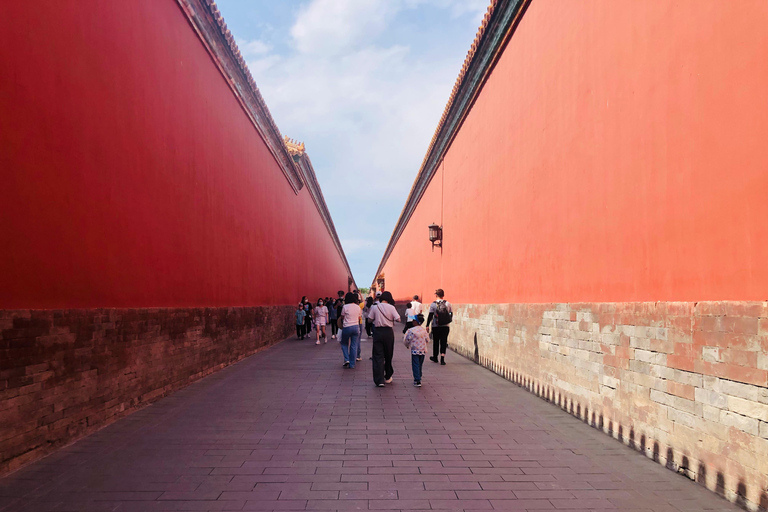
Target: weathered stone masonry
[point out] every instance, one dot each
(66, 373)
(685, 383)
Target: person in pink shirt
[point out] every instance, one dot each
(320, 314)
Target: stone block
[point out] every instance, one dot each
(748, 408)
(710, 354)
(609, 381)
(684, 418)
(711, 398)
(738, 389)
(675, 402)
(647, 356)
(732, 419)
(711, 413)
(762, 360)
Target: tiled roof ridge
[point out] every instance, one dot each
(262, 117)
(235, 49)
(460, 79)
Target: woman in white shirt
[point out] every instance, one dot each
(321, 318)
(350, 332)
(384, 316)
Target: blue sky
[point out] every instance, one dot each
(363, 84)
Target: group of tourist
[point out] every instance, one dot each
(317, 316)
(348, 313)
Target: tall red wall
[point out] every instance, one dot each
(604, 206)
(131, 176)
(616, 153)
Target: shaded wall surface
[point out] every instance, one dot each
(609, 176)
(132, 176)
(149, 234)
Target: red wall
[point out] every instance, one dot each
(617, 153)
(132, 177)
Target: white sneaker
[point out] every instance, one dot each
(389, 380)
(333, 337)
(359, 359)
(317, 342)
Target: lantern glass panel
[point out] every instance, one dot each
(434, 233)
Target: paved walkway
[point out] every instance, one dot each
(289, 429)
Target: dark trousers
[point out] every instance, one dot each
(417, 361)
(383, 348)
(300, 330)
(334, 327)
(440, 339)
(307, 325)
(369, 328)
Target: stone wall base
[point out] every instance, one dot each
(67, 373)
(684, 383)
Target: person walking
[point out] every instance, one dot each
(384, 316)
(307, 317)
(333, 314)
(359, 327)
(300, 321)
(321, 318)
(368, 322)
(416, 339)
(408, 317)
(416, 305)
(350, 330)
(440, 315)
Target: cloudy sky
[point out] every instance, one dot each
(363, 84)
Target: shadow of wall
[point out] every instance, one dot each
(682, 383)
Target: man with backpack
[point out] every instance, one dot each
(440, 315)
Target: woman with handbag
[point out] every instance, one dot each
(349, 322)
(384, 316)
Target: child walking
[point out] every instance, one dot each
(416, 338)
(300, 315)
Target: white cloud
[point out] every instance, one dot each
(331, 26)
(458, 8)
(261, 65)
(253, 48)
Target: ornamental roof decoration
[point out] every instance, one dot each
(293, 146)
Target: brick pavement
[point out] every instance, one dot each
(290, 429)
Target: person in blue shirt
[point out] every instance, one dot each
(300, 315)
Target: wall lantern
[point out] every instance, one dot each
(436, 236)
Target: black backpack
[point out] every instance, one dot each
(444, 316)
